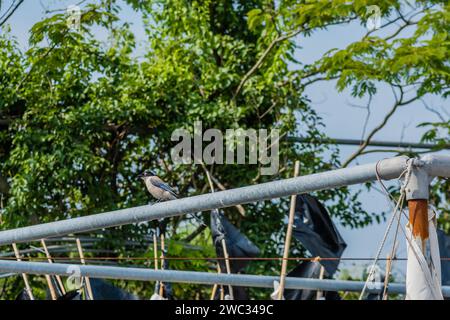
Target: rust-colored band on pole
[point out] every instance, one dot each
(418, 219)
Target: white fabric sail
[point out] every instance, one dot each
(423, 272)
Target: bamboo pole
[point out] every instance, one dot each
(216, 286)
(155, 258)
(222, 292)
(161, 284)
(24, 275)
(227, 265)
(386, 276)
(418, 219)
(50, 260)
(287, 242)
(51, 287)
(88, 282)
(155, 251)
(213, 291)
(224, 247)
(319, 294)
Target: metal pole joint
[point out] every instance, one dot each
(417, 187)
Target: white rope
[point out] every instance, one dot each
(408, 172)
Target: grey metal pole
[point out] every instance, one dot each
(417, 195)
(145, 274)
(387, 168)
(435, 165)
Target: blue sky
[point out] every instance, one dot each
(342, 120)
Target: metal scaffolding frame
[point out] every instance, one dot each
(373, 143)
(192, 277)
(424, 169)
(388, 169)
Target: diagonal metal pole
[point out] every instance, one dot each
(388, 169)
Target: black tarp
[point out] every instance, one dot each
(307, 269)
(104, 290)
(23, 295)
(71, 295)
(314, 228)
(167, 286)
(237, 244)
(101, 290)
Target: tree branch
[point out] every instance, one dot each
(195, 233)
(262, 58)
(398, 151)
(437, 113)
(211, 179)
(398, 102)
(277, 40)
(11, 13)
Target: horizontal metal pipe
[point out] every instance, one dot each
(145, 274)
(88, 243)
(387, 168)
(436, 165)
(7, 275)
(373, 143)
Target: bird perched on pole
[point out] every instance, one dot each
(157, 187)
(161, 190)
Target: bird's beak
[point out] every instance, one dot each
(141, 176)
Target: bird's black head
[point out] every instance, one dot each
(146, 173)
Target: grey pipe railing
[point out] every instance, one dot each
(373, 143)
(146, 274)
(388, 169)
